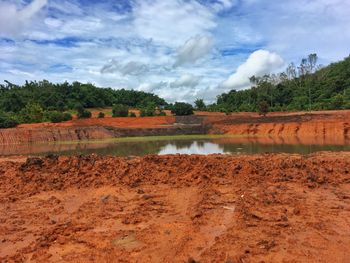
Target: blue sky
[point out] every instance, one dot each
(178, 49)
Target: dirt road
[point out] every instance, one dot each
(262, 208)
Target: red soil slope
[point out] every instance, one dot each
(332, 125)
(263, 208)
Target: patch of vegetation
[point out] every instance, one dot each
(7, 121)
(182, 109)
(120, 110)
(308, 86)
(82, 113)
(56, 116)
(64, 96)
(100, 115)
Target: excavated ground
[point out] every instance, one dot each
(176, 208)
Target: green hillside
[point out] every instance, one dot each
(304, 87)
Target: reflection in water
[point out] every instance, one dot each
(196, 147)
(183, 146)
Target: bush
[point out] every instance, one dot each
(162, 113)
(263, 108)
(149, 110)
(31, 113)
(81, 112)
(182, 108)
(56, 116)
(7, 121)
(120, 110)
(85, 114)
(132, 114)
(101, 115)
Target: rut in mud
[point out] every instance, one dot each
(216, 208)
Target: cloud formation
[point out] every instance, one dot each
(130, 68)
(259, 63)
(12, 20)
(206, 40)
(186, 80)
(194, 49)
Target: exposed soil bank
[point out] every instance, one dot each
(54, 134)
(326, 126)
(333, 125)
(271, 208)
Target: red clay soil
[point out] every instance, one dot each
(313, 126)
(262, 208)
(127, 122)
(327, 125)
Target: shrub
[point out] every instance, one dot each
(161, 113)
(132, 114)
(7, 121)
(149, 110)
(81, 112)
(120, 110)
(85, 114)
(101, 115)
(263, 108)
(32, 113)
(56, 116)
(182, 108)
(67, 116)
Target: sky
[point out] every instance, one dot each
(178, 49)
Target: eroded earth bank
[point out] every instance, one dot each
(259, 208)
(314, 127)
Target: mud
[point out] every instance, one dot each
(261, 208)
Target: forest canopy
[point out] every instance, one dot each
(307, 86)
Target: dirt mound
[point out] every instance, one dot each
(271, 208)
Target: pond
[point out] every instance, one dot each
(140, 146)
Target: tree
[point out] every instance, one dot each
(120, 110)
(200, 105)
(182, 108)
(312, 62)
(32, 113)
(7, 121)
(56, 116)
(149, 110)
(291, 71)
(81, 112)
(263, 108)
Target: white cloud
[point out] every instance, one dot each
(222, 5)
(12, 20)
(258, 63)
(186, 80)
(194, 49)
(130, 68)
(171, 22)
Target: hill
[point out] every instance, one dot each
(306, 87)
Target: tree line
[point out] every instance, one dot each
(308, 86)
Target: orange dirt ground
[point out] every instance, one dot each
(259, 208)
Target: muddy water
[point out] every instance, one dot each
(169, 145)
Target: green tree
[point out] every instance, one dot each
(81, 112)
(263, 108)
(7, 121)
(56, 116)
(200, 105)
(32, 113)
(182, 108)
(120, 110)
